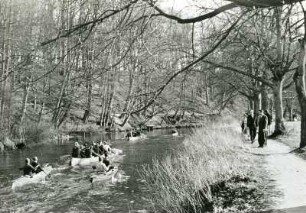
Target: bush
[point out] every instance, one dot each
(38, 133)
(182, 182)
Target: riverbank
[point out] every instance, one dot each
(45, 133)
(158, 121)
(213, 171)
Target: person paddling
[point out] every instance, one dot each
(28, 168)
(76, 150)
(37, 168)
(103, 165)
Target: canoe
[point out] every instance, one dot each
(116, 151)
(141, 137)
(89, 161)
(36, 178)
(175, 134)
(104, 177)
(83, 161)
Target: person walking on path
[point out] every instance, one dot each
(269, 116)
(244, 129)
(262, 128)
(251, 125)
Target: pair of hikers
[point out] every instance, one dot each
(31, 167)
(263, 122)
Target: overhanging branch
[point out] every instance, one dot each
(195, 19)
(264, 81)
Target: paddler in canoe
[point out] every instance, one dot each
(103, 165)
(76, 150)
(28, 169)
(34, 163)
(31, 167)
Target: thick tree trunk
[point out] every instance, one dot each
(278, 108)
(251, 103)
(264, 98)
(299, 79)
(256, 101)
(278, 77)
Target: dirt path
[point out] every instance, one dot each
(289, 174)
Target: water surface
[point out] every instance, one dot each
(69, 190)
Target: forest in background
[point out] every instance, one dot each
(67, 62)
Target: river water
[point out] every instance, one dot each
(69, 190)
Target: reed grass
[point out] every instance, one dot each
(182, 182)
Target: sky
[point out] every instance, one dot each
(187, 8)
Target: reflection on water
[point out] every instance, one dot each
(70, 190)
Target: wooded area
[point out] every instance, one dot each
(103, 62)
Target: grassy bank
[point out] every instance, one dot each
(209, 172)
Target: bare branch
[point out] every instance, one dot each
(186, 68)
(106, 15)
(195, 19)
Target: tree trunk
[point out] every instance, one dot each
(264, 97)
(251, 103)
(299, 80)
(278, 108)
(256, 101)
(24, 102)
(89, 93)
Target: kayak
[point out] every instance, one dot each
(83, 161)
(142, 136)
(104, 176)
(36, 178)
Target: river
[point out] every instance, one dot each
(69, 190)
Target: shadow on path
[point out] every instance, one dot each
(301, 209)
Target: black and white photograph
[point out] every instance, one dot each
(152, 106)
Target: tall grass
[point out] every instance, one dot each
(182, 182)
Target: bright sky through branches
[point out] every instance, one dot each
(188, 8)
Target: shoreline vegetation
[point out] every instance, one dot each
(44, 132)
(211, 172)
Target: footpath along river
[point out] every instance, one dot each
(71, 191)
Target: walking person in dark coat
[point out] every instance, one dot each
(262, 128)
(251, 125)
(269, 116)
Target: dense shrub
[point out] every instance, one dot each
(39, 133)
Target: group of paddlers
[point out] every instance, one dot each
(261, 122)
(31, 167)
(101, 150)
(90, 150)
